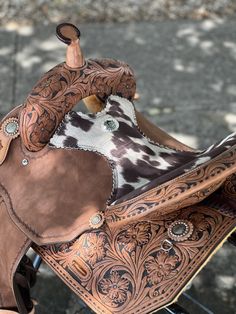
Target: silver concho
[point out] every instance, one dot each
(10, 127)
(180, 230)
(25, 162)
(97, 220)
(110, 125)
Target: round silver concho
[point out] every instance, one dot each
(110, 125)
(180, 230)
(10, 127)
(97, 220)
(25, 162)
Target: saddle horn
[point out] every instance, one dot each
(61, 88)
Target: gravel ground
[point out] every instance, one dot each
(45, 11)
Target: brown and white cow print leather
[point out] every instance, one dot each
(135, 159)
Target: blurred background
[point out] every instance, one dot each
(183, 53)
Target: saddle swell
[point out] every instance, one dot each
(62, 88)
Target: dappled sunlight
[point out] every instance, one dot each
(47, 66)
(5, 51)
(231, 46)
(215, 285)
(50, 44)
(230, 119)
(207, 47)
(25, 30)
(194, 35)
(231, 89)
(217, 86)
(181, 67)
(226, 282)
(209, 25)
(189, 140)
(26, 59)
(140, 41)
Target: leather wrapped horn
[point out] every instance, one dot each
(61, 88)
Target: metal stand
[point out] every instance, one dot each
(232, 239)
(175, 309)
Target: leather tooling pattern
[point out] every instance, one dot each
(176, 192)
(117, 270)
(62, 88)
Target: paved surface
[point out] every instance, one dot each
(187, 82)
(45, 11)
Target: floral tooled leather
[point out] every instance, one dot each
(129, 270)
(60, 89)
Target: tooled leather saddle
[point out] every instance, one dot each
(122, 212)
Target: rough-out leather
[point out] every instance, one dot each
(33, 210)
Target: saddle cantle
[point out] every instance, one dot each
(125, 214)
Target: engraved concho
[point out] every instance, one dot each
(180, 230)
(10, 127)
(110, 125)
(97, 220)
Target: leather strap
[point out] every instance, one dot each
(5, 142)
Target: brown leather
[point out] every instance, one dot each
(4, 146)
(178, 192)
(13, 245)
(54, 180)
(141, 266)
(157, 135)
(36, 190)
(32, 208)
(60, 89)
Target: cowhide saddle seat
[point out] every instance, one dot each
(125, 214)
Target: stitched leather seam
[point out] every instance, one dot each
(191, 172)
(142, 133)
(25, 225)
(214, 241)
(204, 166)
(74, 285)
